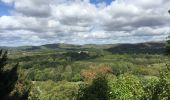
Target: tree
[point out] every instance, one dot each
(98, 90)
(168, 46)
(8, 78)
(168, 43)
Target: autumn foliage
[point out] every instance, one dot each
(93, 71)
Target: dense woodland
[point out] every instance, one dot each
(89, 72)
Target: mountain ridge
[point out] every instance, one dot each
(147, 47)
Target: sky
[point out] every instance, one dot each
(37, 22)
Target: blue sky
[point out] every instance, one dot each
(5, 9)
(108, 2)
(37, 22)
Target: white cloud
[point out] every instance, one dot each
(79, 21)
(8, 1)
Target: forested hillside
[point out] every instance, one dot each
(94, 72)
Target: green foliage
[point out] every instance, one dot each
(49, 90)
(57, 74)
(77, 77)
(159, 89)
(8, 77)
(12, 85)
(98, 90)
(77, 56)
(22, 88)
(168, 45)
(126, 87)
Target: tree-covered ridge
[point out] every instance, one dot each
(65, 75)
(90, 73)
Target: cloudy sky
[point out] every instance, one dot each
(36, 22)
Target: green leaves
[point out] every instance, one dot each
(50, 90)
(8, 77)
(98, 90)
(126, 87)
(3, 60)
(167, 46)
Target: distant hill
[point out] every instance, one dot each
(149, 47)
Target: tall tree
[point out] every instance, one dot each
(168, 43)
(168, 46)
(8, 78)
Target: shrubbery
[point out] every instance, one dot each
(127, 87)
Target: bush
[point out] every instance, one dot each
(159, 89)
